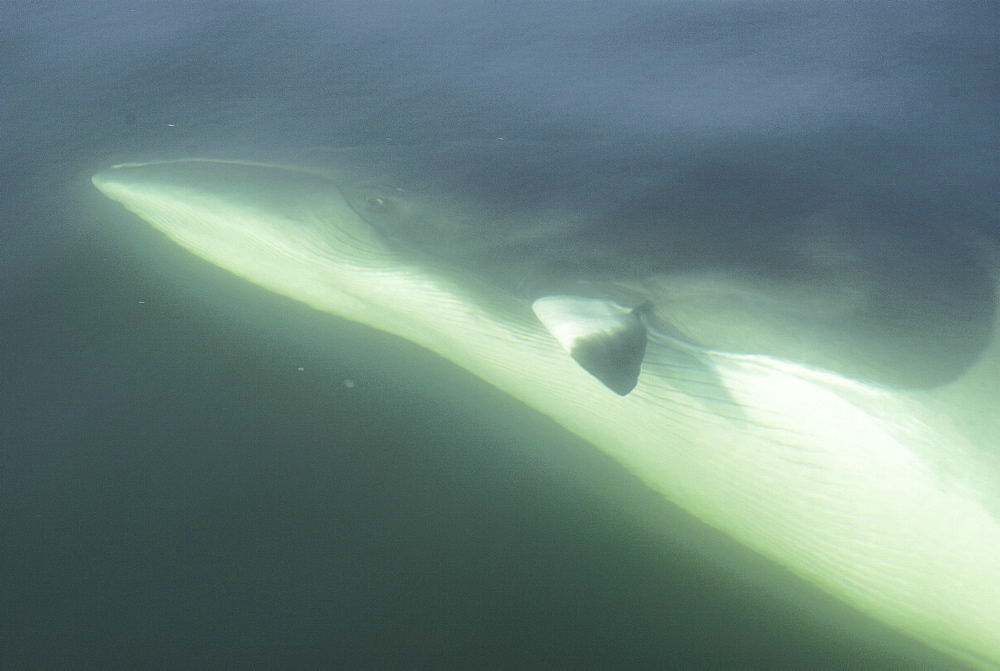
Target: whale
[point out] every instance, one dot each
(834, 409)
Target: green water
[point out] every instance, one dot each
(178, 493)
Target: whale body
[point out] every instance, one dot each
(883, 494)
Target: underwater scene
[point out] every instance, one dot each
(555, 335)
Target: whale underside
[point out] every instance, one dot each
(811, 370)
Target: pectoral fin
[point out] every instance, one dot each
(605, 338)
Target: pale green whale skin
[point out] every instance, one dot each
(886, 498)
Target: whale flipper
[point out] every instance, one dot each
(607, 339)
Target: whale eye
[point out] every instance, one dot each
(377, 203)
(373, 203)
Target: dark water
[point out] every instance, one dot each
(186, 481)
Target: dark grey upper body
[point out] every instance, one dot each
(888, 273)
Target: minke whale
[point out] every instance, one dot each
(824, 390)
